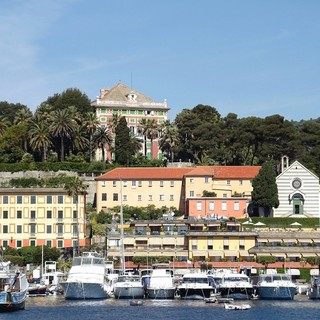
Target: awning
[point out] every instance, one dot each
(293, 272)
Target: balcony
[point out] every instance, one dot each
(32, 235)
(60, 235)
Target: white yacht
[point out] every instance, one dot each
(128, 286)
(232, 284)
(160, 284)
(277, 286)
(87, 278)
(195, 286)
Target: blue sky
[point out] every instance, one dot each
(249, 57)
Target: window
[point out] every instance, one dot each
(191, 180)
(228, 182)
(194, 247)
(104, 197)
(150, 197)
(139, 183)
(125, 197)
(33, 199)
(210, 247)
(199, 206)
(225, 247)
(5, 214)
(32, 243)
(19, 214)
(125, 183)
(60, 229)
(206, 179)
(74, 214)
(240, 182)
(171, 197)
(49, 243)
(133, 183)
(60, 244)
(236, 206)
(5, 243)
(150, 183)
(60, 199)
(103, 184)
(60, 214)
(115, 197)
(19, 228)
(191, 193)
(211, 205)
(49, 214)
(224, 206)
(139, 197)
(171, 183)
(5, 229)
(49, 199)
(75, 199)
(161, 183)
(242, 247)
(19, 199)
(161, 197)
(32, 229)
(5, 200)
(75, 229)
(19, 243)
(32, 215)
(49, 229)
(224, 195)
(114, 183)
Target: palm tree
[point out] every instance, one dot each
(40, 139)
(169, 137)
(62, 126)
(79, 140)
(103, 138)
(74, 188)
(91, 124)
(149, 129)
(4, 124)
(22, 115)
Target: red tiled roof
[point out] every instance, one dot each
(144, 173)
(226, 172)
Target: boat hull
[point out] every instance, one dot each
(82, 291)
(314, 292)
(276, 293)
(194, 293)
(129, 292)
(159, 293)
(12, 301)
(237, 293)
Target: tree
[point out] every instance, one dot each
(62, 126)
(314, 261)
(40, 139)
(91, 124)
(75, 187)
(103, 140)
(169, 138)
(149, 129)
(266, 260)
(123, 151)
(265, 190)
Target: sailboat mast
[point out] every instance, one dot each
(122, 232)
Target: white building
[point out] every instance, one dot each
(298, 191)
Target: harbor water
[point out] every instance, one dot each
(57, 308)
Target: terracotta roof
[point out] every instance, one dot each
(144, 173)
(120, 92)
(226, 172)
(218, 172)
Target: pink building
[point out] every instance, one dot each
(212, 207)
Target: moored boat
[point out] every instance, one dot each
(87, 278)
(13, 288)
(314, 292)
(278, 286)
(128, 286)
(161, 284)
(195, 286)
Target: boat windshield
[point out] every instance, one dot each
(195, 280)
(87, 261)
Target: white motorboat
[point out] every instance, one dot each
(87, 278)
(52, 278)
(278, 286)
(161, 284)
(195, 286)
(231, 306)
(232, 284)
(13, 288)
(128, 286)
(314, 292)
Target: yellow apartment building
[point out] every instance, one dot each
(41, 216)
(171, 187)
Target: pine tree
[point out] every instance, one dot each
(265, 190)
(123, 150)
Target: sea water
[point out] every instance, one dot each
(57, 308)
